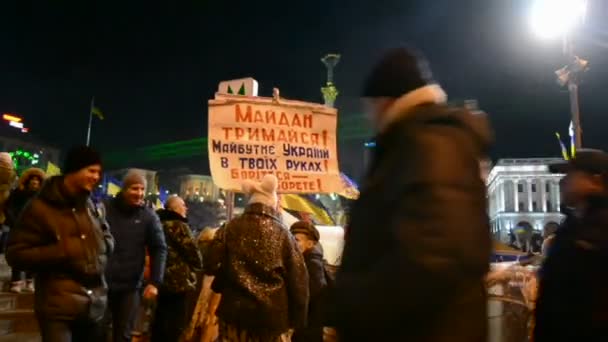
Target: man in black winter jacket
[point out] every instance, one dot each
(307, 236)
(418, 244)
(572, 302)
(136, 229)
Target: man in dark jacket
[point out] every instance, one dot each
(183, 260)
(307, 236)
(61, 238)
(135, 229)
(418, 243)
(572, 304)
(259, 271)
(29, 185)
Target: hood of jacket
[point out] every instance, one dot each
(170, 215)
(408, 108)
(53, 191)
(28, 174)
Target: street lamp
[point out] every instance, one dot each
(558, 18)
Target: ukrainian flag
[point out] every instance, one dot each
(52, 170)
(112, 189)
(97, 112)
(300, 204)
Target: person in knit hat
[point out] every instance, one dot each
(307, 236)
(61, 239)
(29, 185)
(418, 240)
(258, 271)
(136, 229)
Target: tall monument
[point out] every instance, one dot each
(330, 92)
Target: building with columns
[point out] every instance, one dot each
(522, 193)
(200, 187)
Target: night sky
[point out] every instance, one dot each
(153, 67)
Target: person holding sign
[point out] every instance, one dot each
(418, 244)
(259, 272)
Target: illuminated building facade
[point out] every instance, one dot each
(198, 187)
(523, 194)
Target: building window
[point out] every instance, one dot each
(533, 187)
(549, 209)
(534, 206)
(521, 206)
(520, 187)
(547, 187)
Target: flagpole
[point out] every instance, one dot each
(90, 121)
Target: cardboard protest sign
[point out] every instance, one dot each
(250, 137)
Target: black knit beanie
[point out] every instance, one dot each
(80, 157)
(399, 71)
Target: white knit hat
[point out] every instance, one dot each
(264, 192)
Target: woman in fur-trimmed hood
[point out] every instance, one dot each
(30, 174)
(30, 183)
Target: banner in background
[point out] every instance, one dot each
(250, 137)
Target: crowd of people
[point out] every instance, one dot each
(417, 247)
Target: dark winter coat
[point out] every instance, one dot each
(572, 303)
(15, 204)
(135, 229)
(183, 256)
(62, 240)
(418, 242)
(259, 272)
(317, 284)
(21, 195)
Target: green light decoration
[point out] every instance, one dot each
(24, 159)
(350, 128)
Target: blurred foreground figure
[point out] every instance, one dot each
(573, 295)
(63, 240)
(418, 242)
(259, 272)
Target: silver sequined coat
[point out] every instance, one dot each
(259, 272)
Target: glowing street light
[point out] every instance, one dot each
(558, 19)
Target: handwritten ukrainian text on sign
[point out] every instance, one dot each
(251, 137)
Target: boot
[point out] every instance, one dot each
(29, 286)
(17, 286)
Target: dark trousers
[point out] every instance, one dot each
(170, 319)
(123, 306)
(68, 331)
